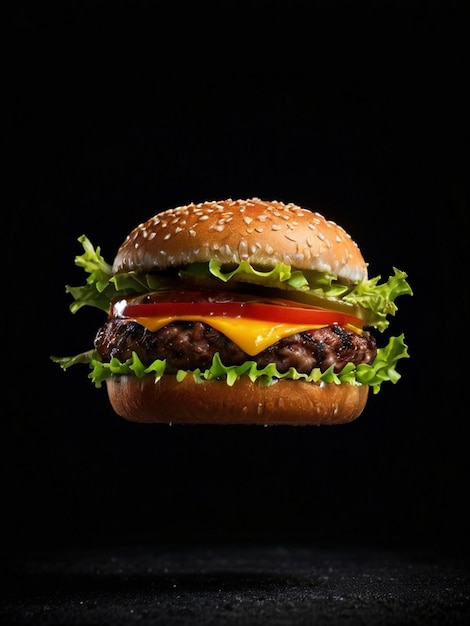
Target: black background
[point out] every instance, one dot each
(119, 110)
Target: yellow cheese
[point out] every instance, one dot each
(252, 336)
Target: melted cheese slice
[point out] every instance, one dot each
(252, 336)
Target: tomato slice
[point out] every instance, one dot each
(276, 311)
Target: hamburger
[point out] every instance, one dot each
(238, 312)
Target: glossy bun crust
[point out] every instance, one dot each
(263, 233)
(286, 402)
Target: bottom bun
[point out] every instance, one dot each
(286, 402)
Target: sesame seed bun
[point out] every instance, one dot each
(230, 231)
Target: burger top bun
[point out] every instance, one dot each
(261, 232)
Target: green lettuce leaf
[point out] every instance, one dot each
(101, 285)
(97, 291)
(369, 300)
(378, 300)
(280, 275)
(381, 370)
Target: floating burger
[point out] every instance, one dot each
(239, 311)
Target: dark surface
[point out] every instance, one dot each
(276, 585)
(357, 110)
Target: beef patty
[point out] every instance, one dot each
(192, 345)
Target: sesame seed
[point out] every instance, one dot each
(226, 250)
(243, 249)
